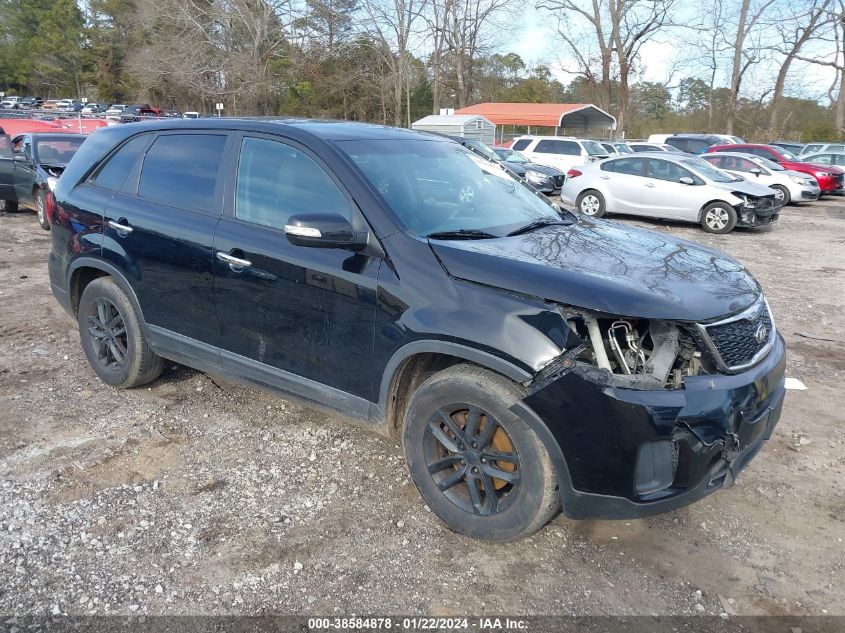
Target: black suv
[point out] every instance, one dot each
(527, 358)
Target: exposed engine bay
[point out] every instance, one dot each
(638, 353)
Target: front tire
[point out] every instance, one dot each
(112, 337)
(480, 468)
(591, 203)
(41, 209)
(718, 218)
(784, 194)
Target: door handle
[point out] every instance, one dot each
(120, 228)
(605, 177)
(234, 262)
(649, 184)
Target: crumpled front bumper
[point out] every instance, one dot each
(627, 453)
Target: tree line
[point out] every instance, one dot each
(734, 66)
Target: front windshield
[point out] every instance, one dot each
(787, 154)
(623, 148)
(594, 149)
(512, 156)
(57, 151)
(703, 168)
(768, 164)
(434, 187)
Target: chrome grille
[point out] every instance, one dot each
(741, 340)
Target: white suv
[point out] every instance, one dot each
(816, 148)
(562, 152)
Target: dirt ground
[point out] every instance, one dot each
(195, 496)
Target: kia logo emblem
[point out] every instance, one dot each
(761, 333)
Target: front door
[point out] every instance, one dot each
(665, 196)
(23, 170)
(296, 318)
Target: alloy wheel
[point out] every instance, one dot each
(717, 218)
(590, 205)
(472, 459)
(107, 331)
(39, 207)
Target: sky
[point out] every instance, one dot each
(536, 40)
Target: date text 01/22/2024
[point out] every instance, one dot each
(417, 624)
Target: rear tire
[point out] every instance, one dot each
(41, 209)
(787, 198)
(112, 337)
(591, 203)
(718, 218)
(480, 468)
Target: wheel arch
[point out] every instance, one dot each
(412, 363)
(84, 270)
(708, 203)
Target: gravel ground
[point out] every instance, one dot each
(196, 496)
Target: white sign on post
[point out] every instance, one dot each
(219, 108)
(2, 94)
(84, 99)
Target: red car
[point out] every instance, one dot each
(831, 179)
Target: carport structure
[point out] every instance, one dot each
(571, 117)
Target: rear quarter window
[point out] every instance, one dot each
(521, 144)
(181, 170)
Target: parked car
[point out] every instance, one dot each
(615, 148)
(819, 148)
(33, 168)
(658, 139)
(92, 108)
(650, 147)
(484, 333)
(694, 143)
(191, 115)
(829, 158)
(68, 105)
(115, 109)
(662, 185)
(31, 103)
(831, 179)
(545, 179)
(11, 103)
(50, 104)
(790, 186)
(560, 152)
(795, 148)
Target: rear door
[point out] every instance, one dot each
(665, 196)
(300, 319)
(7, 190)
(159, 229)
(624, 181)
(23, 169)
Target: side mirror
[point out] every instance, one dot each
(756, 171)
(686, 180)
(323, 230)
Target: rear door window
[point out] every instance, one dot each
(521, 144)
(666, 170)
(566, 148)
(181, 170)
(835, 148)
(630, 166)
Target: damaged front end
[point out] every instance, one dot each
(651, 415)
(757, 210)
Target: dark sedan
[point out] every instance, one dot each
(31, 167)
(545, 179)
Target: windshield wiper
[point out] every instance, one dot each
(536, 224)
(461, 234)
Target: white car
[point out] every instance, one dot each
(653, 147)
(191, 115)
(11, 103)
(674, 187)
(116, 109)
(790, 186)
(561, 152)
(818, 148)
(91, 108)
(65, 105)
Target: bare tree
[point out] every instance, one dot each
(746, 50)
(619, 29)
(801, 27)
(436, 23)
(390, 26)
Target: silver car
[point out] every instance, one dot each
(675, 187)
(789, 186)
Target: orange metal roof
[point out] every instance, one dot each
(540, 114)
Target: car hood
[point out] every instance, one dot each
(607, 267)
(745, 186)
(814, 166)
(543, 169)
